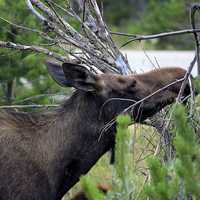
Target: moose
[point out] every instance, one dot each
(43, 154)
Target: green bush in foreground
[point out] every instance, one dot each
(179, 179)
(90, 189)
(123, 173)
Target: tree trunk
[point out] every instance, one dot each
(9, 92)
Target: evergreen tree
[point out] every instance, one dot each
(22, 74)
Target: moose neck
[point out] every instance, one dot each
(73, 142)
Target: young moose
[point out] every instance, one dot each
(42, 155)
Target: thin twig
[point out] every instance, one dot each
(38, 49)
(42, 34)
(34, 11)
(56, 14)
(187, 75)
(29, 106)
(194, 8)
(61, 8)
(155, 36)
(38, 97)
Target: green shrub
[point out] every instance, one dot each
(180, 179)
(177, 179)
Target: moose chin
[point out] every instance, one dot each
(42, 155)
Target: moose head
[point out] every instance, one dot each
(148, 93)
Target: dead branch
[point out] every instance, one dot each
(154, 36)
(33, 48)
(95, 44)
(35, 12)
(194, 8)
(186, 77)
(40, 33)
(29, 106)
(163, 124)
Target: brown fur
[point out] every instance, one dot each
(42, 155)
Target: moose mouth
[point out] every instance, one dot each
(145, 110)
(147, 107)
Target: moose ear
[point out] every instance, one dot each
(56, 72)
(79, 77)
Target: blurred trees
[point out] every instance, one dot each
(21, 74)
(150, 17)
(167, 16)
(119, 13)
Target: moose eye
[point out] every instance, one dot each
(132, 85)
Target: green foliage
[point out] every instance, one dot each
(180, 178)
(166, 16)
(161, 185)
(91, 191)
(161, 14)
(196, 83)
(117, 12)
(156, 16)
(188, 154)
(123, 169)
(22, 74)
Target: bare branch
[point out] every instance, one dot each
(61, 8)
(38, 49)
(40, 33)
(154, 36)
(97, 45)
(187, 75)
(194, 8)
(34, 11)
(29, 106)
